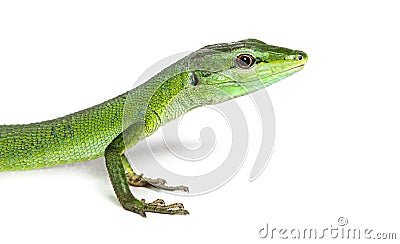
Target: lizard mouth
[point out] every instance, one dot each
(292, 69)
(295, 68)
(286, 71)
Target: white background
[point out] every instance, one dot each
(337, 147)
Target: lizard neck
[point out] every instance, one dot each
(160, 101)
(163, 98)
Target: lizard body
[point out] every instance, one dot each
(213, 74)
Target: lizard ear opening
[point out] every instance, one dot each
(194, 80)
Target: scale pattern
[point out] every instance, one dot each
(76, 137)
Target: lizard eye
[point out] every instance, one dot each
(244, 61)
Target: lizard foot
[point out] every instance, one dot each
(158, 206)
(140, 180)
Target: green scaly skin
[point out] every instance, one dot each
(210, 75)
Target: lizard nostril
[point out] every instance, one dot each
(299, 57)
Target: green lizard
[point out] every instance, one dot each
(210, 75)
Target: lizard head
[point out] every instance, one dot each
(239, 68)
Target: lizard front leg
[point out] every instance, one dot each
(113, 155)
